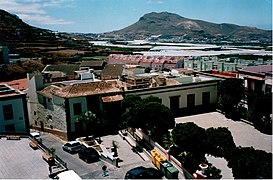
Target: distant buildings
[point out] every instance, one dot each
(13, 111)
(228, 64)
(257, 78)
(153, 62)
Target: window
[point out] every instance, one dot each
(8, 112)
(206, 98)
(77, 108)
(190, 100)
(10, 128)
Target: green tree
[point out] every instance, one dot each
(260, 108)
(190, 137)
(89, 120)
(230, 94)
(148, 114)
(219, 140)
(248, 163)
(131, 106)
(213, 173)
(156, 119)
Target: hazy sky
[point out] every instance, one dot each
(97, 16)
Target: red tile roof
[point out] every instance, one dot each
(81, 89)
(21, 84)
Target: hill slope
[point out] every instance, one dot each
(12, 28)
(169, 24)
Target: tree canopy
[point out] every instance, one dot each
(190, 137)
(248, 163)
(219, 140)
(88, 119)
(148, 114)
(230, 92)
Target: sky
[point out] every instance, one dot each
(98, 16)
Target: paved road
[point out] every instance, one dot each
(93, 170)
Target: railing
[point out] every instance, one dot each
(45, 148)
(139, 134)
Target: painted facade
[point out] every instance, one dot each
(13, 111)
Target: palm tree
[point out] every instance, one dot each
(87, 118)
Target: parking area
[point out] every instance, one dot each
(20, 161)
(129, 159)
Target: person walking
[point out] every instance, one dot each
(104, 171)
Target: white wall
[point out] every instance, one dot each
(183, 91)
(18, 115)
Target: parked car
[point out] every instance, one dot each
(36, 136)
(88, 154)
(143, 173)
(66, 175)
(72, 147)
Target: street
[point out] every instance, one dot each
(94, 170)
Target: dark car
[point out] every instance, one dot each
(143, 173)
(72, 147)
(88, 154)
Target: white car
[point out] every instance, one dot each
(72, 147)
(67, 175)
(36, 136)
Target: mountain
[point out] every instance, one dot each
(169, 24)
(12, 28)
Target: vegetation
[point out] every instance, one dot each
(219, 140)
(192, 142)
(259, 110)
(190, 137)
(19, 70)
(89, 121)
(230, 93)
(248, 163)
(148, 114)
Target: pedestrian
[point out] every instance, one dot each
(104, 171)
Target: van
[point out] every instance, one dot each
(68, 175)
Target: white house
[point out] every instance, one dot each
(13, 111)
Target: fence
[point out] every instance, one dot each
(140, 135)
(57, 159)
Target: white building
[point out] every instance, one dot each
(13, 111)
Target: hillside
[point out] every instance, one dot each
(169, 24)
(12, 28)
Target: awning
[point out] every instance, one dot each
(112, 98)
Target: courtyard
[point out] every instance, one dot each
(244, 135)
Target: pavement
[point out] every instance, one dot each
(129, 159)
(244, 135)
(19, 161)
